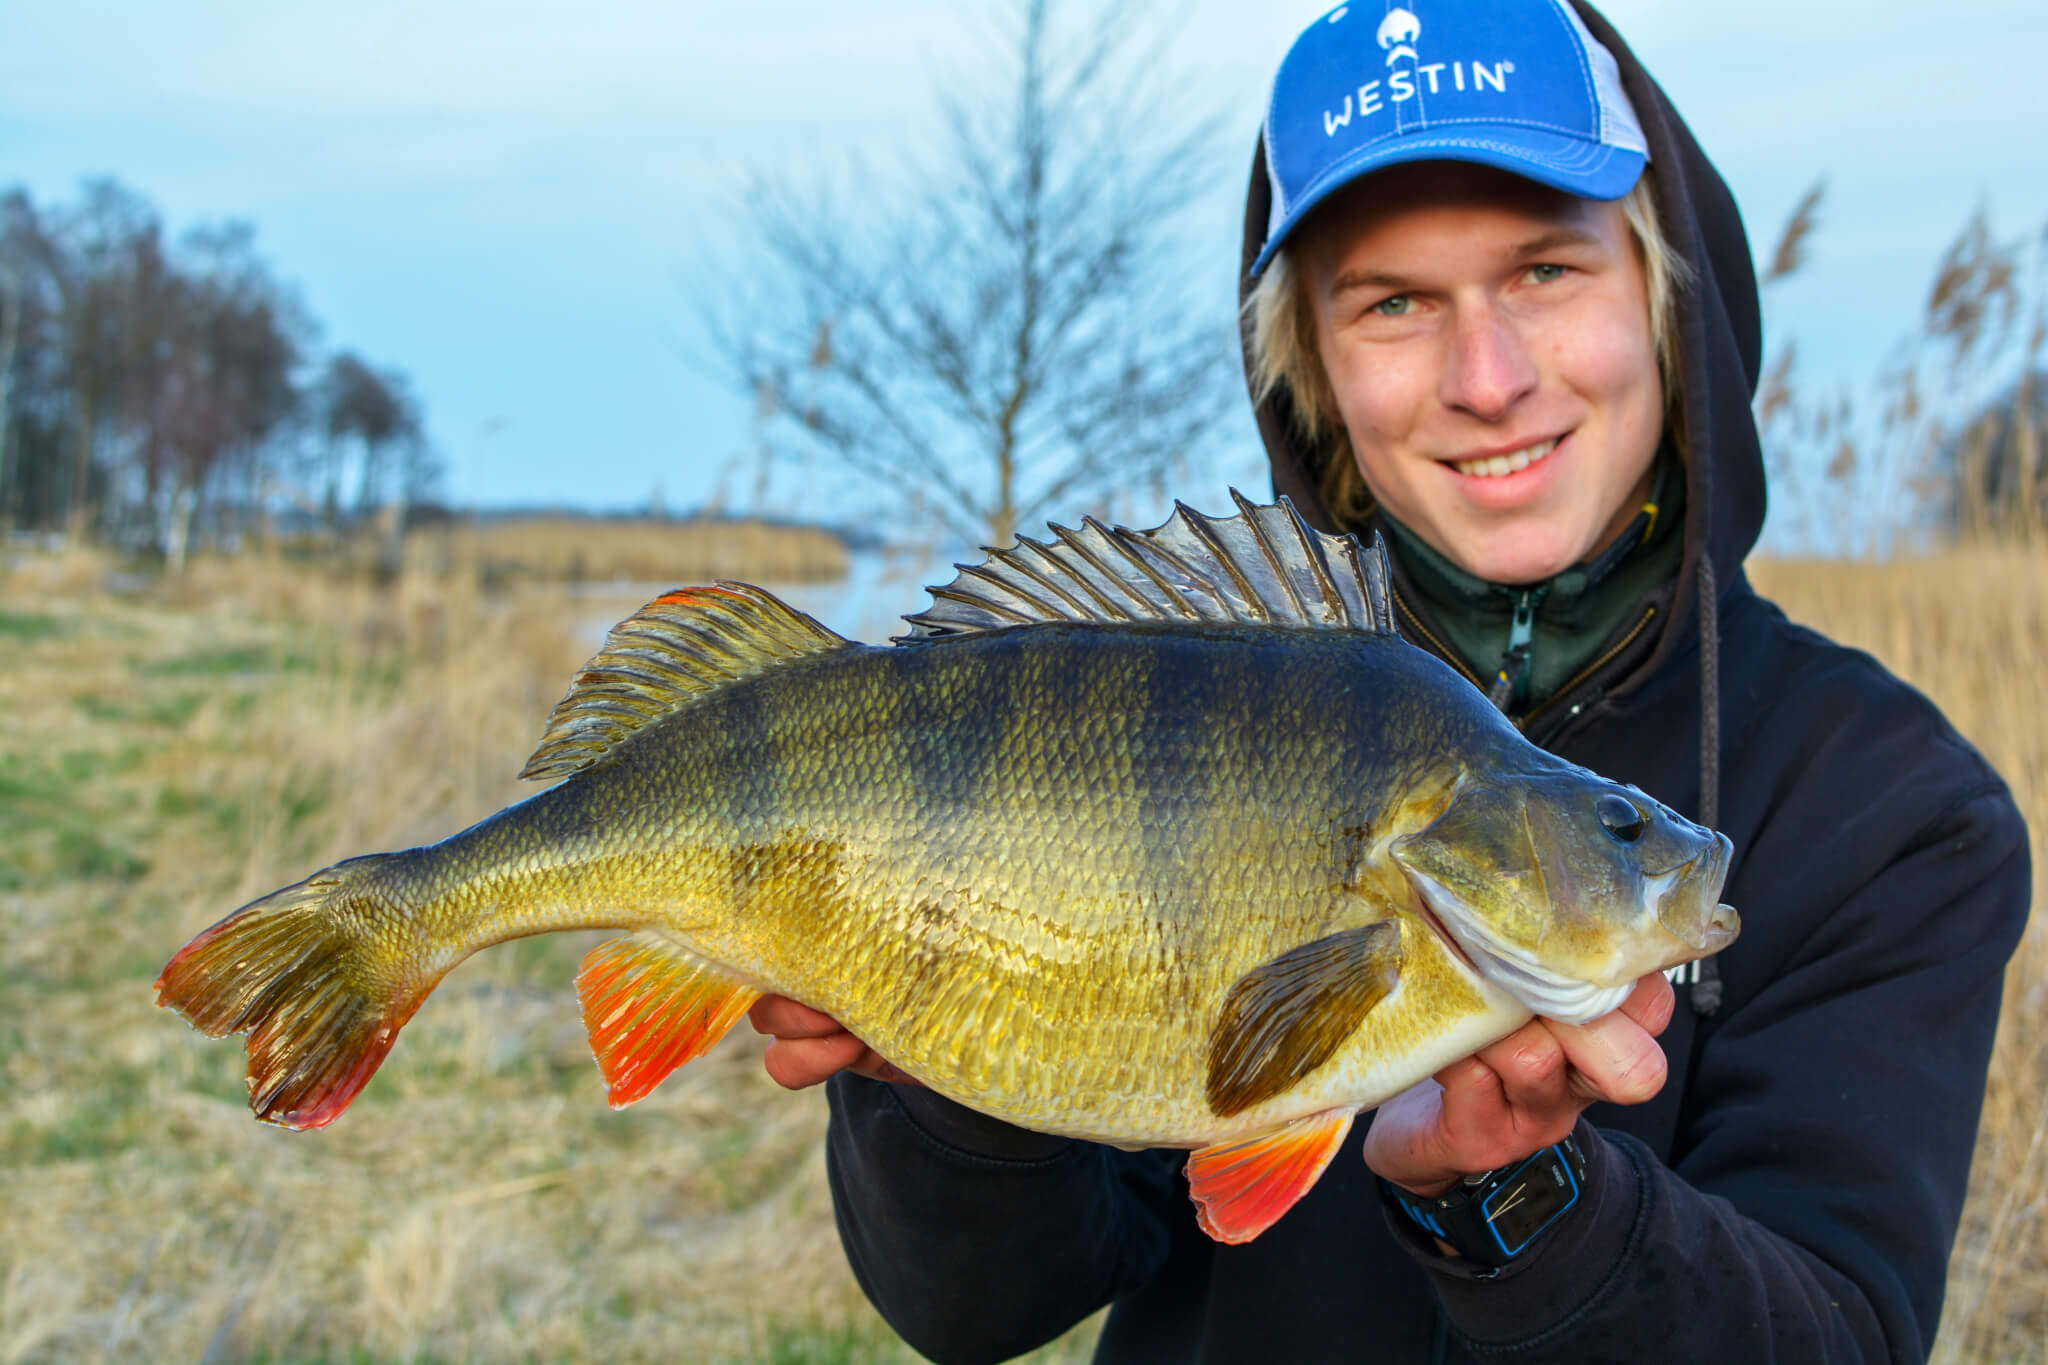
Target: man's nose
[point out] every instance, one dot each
(1489, 367)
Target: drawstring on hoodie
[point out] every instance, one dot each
(1706, 988)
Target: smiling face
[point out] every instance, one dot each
(1488, 343)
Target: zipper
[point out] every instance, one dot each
(1521, 639)
(1444, 652)
(1559, 696)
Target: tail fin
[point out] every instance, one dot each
(299, 971)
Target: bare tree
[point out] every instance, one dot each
(228, 383)
(156, 394)
(88, 254)
(1008, 329)
(373, 411)
(13, 287)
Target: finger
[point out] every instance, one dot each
(1531, 1065)
(1651, 1003)
(782, 1017)
(876, 1068)
(797, 1064)
(1528, 1104)
(1612, 1058)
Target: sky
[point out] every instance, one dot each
(521, 204)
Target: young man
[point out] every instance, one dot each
(1501, 308)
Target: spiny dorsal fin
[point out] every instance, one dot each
(1264, 566)
(678, 646)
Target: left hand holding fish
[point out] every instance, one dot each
(1519, 1095)
(811, 1046)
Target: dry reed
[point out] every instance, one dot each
(164, 758)
(587, 550)
(1970, 628)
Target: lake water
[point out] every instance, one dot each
(880, 588)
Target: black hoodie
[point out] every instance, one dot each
(1791, 1194)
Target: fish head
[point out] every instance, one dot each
(1563, 888)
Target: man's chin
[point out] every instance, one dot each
(1512, 556)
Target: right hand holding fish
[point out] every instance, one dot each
(1521, 1094)
(811, 1046)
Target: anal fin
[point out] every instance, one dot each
(650, 1006)
(1241, 1188)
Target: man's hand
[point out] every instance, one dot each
(810, 1047)
(1519, 1095)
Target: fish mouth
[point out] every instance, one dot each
(1686, 899)
(1539, 988)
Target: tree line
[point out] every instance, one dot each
(158, 394)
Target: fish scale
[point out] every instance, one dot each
(1154, 838)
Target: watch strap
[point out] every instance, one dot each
(1496, 1216)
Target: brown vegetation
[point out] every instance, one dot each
(1970, 628)
(163, 759)
(591, 550)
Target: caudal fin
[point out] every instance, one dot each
(300, 972)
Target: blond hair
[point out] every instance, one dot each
(1280, 326)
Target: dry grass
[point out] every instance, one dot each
(1970, 628)
(164, 758)
(578, 550)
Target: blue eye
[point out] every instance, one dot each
(1394, 307)
(1544, 274)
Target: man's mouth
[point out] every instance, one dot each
(1500, 466)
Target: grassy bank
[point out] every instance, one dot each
(168, 756)
(590, 550)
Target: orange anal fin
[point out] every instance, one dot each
(1241, 1188)
(650, 1006)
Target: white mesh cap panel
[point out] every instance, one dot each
(1619, 126)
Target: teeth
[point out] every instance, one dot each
(1495, 466)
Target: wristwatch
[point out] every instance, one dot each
(1496, 1215)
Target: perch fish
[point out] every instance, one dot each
(1160, 839)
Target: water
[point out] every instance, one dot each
(880, 588)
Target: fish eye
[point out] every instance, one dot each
(1621, 817)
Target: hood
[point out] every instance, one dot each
(1720, 350)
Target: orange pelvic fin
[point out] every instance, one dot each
(1241, 1188)
(650, 1006)
(299, 974)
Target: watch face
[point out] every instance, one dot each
(1531, 1198)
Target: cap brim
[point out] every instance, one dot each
(1576, 165)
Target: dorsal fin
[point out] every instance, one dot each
(680, 645)
(1264, 566)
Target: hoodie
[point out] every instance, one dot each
(1791, 1194)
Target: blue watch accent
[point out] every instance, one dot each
(1494, 1217)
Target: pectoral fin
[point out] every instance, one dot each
(1241, 1188)
(1282, 1020)
(650, 1006)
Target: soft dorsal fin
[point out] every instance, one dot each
(1264, 566)
(680, 645)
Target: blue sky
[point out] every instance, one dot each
(517, 203)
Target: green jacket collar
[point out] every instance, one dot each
(1527, 641)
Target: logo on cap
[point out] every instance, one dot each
(1519, 85)
(1397, 31)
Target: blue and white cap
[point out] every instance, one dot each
(1515, 84)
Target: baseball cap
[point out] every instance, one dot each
(1519, 85)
